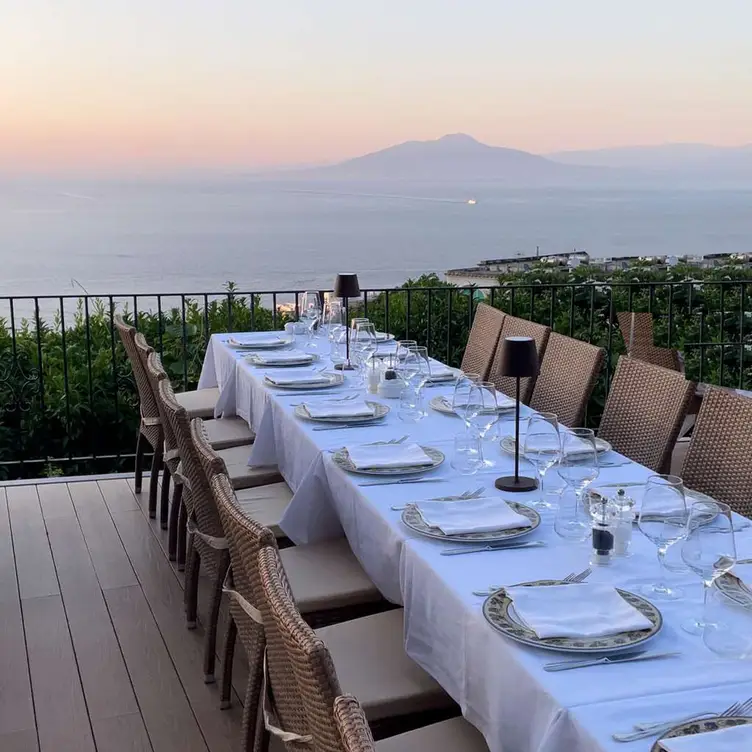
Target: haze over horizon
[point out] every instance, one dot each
(154, 86)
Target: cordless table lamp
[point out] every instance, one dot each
(346, 286)
(519, 359)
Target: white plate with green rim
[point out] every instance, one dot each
(333, 379)
(507, 444)
(444, 405)
(379, 411)
(269, 361)
(259, 344)
(692, 728)
(342, 460)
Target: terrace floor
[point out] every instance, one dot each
(94, 653)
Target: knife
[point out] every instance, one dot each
(630, 658)
(491, 547)
(348, 425)
(404, 481)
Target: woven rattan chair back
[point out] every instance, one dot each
(515, 327)
(483, 340)
(717, 461)
(352, 725)
(644, 412)
(156, 373)
(637, 330)
(305, 705)
(211, 462)
(568, 374)
(199, 500)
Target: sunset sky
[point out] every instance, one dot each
(153, 84)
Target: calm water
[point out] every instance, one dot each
(175, 236)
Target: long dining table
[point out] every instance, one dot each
(500, 685)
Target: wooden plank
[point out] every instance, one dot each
(20, 741)
(165, 597)
(155, 525)
(16, 708)
(55, 501)
(118, 495)
(62, 720)
(110, 560)
(124, 733)
(36, 573)
(167, 714)
(106, 684)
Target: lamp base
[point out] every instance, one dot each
(346, 366)
(521, 484)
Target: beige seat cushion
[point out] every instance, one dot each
(225, 433)
(327, 575)
(266, 504)
(456, 735)
(199, 403)
(371, 663)
(243, 476)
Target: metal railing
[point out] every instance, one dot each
(69, 405)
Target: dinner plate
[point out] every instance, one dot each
(270, 345)
(380, 337)
(334, 379)
(507, 444)
(411, 517)
(342, 459)
(701, 727)
(499, 612)
(444, 405)
(448, 379)
(305, 359)
(379, 411)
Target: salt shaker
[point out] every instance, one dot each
(603, 513)
(624, 523)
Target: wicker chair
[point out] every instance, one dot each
(150, 426)
(455, 735)
(568, 374)
(637, 330)
(514, 327)
(368, 654)
(482, 340)
(644, 412)
(327, 582)
(717, 461)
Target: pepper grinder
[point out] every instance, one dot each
(603, 532)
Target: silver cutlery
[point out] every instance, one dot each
(656, 729)
(615, 463)
(574, 577)
(744, 561)
(491, 547)
(403, 481)
(631, 658)
(348, 398)
(465, 496)
(364, 424)
(388, 442)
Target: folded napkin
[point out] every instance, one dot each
(297, 376)
(440, 372)
(388, 455)
(733, 739)
(574, 446)
(483, 515)
(355, 409)
(502, 401)
(588, 610)
(272, 359)
(256, 339)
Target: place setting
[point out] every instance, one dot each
(347, 412)
(258, 341)
(308, 379)
(281, 359)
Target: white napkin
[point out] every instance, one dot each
(255, 339)
(502, 401)
(472, 516)
(272, 359)
(297, 376)
(588, 610)
(574, 446)
(387, 455)
(733, 739)
(440, 372)
(339, 409)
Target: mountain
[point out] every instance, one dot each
(455, 157)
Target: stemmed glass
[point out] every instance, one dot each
(403, 345)
(365, 344)
(482, 413)
(709, 549)
(310, 312)
(542, 448)
(461, 396)
(578, 468)
(424, 371)
(663, 521)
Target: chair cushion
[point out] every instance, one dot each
(225, 433)
(371, 663)
(266, 504)
(456, 735)
(199, 403)
(241, 474)
(327, 575)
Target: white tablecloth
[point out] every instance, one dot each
(500, 686)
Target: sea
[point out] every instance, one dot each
(193, 234)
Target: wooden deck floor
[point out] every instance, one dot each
(94, 653)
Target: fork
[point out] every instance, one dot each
(375, 443)
(656, 729)
(574, 577)
(348, 398)
(464, 496)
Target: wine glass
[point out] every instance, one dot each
(365, 344)
(424, 369)
(663, 521)
(482, 412)
(461, 396)
(578, 468)
(542, 448)
(403, 345)
(709, 549)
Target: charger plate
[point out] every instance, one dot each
(499, 612)
(334, 379)
(507, 444)
(342, 460)
(379, 411)
(444, 405)
(701, 727)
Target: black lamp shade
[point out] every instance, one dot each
(346, 286)
(519, 357)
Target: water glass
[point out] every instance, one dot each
(572, 520)
(364, 345)
(420, 352)
(403, 345)
(410, 406)
(467, 455)
(663, 521)
(333, 316)
(727, 626)
(542, 448)
(578, 462)
(709, 549)
(482, 411)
